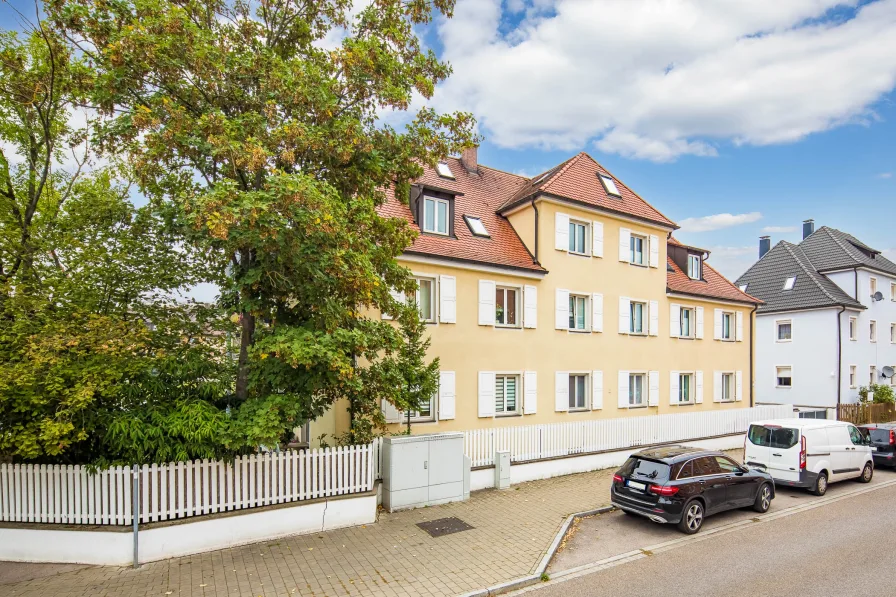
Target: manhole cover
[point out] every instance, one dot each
(444, 526)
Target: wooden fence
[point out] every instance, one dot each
(72, 495)
(862, 414)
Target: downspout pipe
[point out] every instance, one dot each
(535, 207)
(752, 344)
(839, 357)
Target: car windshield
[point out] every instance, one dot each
(650, 470)
(773, 437)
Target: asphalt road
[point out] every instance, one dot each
(841, 548)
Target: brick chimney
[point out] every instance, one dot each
(469, 159)
(765, 243)
(808, 227)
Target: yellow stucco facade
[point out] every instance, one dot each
(475, 354)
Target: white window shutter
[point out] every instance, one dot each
(597, 390)
(699, 323)
(739, 327)
(654, 251)
(739, 385)
(716, 386)
(699, 382)
(486, 394)
(530, 307)
(623, 389)
(653, 382)
(625, 249)
(654, 318)
(486, 302)
(561, 391)
(624, 315)
(561, 232)
(674, 320)
(446, 395)
(447, 299)
(673, 387)
(597, 239)
(398, 296)
(717, 324)
(530, 392)
(597, 312)
(561, 316)
(391, 413)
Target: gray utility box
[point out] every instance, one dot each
(424, 470)
(502, 470)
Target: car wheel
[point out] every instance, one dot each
(763, 499)
(867, 473)
(821, 484)
(691, 518)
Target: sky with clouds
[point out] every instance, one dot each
(734, 118)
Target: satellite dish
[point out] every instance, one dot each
(887, 372)
(878, 296)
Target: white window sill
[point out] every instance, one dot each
(501, 326)
(638, 334)
(784, 341)
(644, 265)
(727, 401)
(691, 403)
(783, 387)
(508, 415)
(685, 337)
(433, 232)
(578, 331)
(636, 406)
(578, 254)
(579, 410)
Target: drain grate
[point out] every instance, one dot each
(444, 526)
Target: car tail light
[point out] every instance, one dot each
(665, 490)
(617, 478)
(892, 437)
(803, 452)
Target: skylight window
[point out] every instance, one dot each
(476, 226)
(743, 287)
(610, 185)
(444, 171)
(788, 285)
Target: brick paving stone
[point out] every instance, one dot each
(512, 531)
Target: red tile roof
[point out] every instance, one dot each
(713, 285)
(482, 194)
(577, 179)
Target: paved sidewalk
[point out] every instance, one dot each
(511, 532)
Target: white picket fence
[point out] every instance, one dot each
(536, 442)
(72, 495)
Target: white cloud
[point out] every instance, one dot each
(717, 221)
(657, 80)
(885, 175)
(779, 229)
(732, 262)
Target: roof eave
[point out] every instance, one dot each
(561, 198)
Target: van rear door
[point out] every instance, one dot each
(775, 447)
(756, 452)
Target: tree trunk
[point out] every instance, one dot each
(247, 325)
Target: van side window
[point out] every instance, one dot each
(781, 438)
(855, 436)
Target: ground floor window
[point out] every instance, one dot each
(813, 414)
(783, 377)
(636, 389)
(506, 394)
(578, 392)
(685, 388)
(727, 384)
(424, 413)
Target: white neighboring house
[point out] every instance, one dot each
(827, 281)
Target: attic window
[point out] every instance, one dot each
(476, 226)
(444, 171)
(788, 284)
(743, 287)
(694, 267)
(610, 185)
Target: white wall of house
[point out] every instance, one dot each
(811, 355)
(862, 352)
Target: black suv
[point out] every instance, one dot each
(883, 442)
(681, 485)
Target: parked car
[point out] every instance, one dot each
(883, 443)
(809, 453)
(681, 485)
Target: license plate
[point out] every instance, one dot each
(636, 485)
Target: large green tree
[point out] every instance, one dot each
(251, 123)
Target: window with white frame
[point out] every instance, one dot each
(783, 377)
(694, 267)
(578, 391)
(638, 317)
(507, 394)
(578, 237)
(687, 322)
(789, 283)
(852, 376)
(872, 331)
(578, 312)
(424, 298)
(873, 286)
(893, 291)
(425, 412)
(784, 330)
(893, 333)
(872, 375)
(637, 386)
(435, 215)
(685, 388)
(727, 387)
(638, 246)
(727, 326)
(853, 328)
(507, 307)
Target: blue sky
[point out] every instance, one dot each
(771, 111)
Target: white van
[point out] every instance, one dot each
(809, 453)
